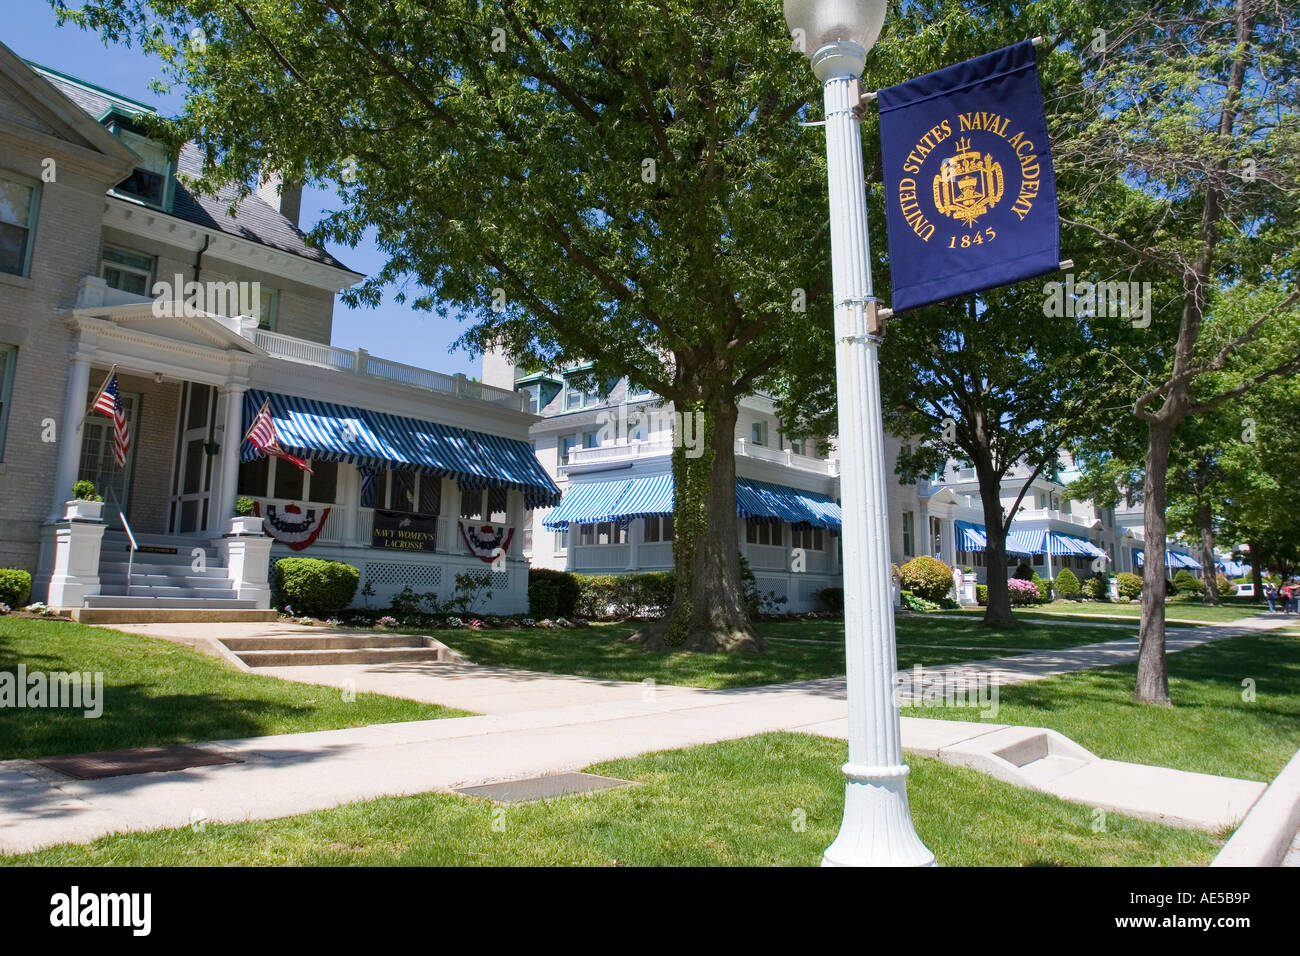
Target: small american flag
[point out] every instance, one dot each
(262, 436)
(110, 403)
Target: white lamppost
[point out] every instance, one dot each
(877, 827)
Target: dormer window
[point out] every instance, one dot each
(151, 181)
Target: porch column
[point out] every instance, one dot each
(515, 519)
(233, 438)
(75, 401)
(635, 531)
(448, 540)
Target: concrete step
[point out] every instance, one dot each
(366, 655)
(166, 592)
(1046, 769)
(142, 570)
(158, 614)
(142, 601)
(330, 642)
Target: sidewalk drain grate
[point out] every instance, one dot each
(540, 788)
(119, 763)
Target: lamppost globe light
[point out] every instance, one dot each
(836, 34)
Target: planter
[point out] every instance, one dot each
(246, 524)
(79, 509)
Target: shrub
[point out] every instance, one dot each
(84, 490)
(1095, 587)
(15, 586)
(1129, 585)
(316, 587)
(926, 577)
(244, 507)
(566, 589)
(1022, 592)
(1044, 588)
(1067, 586)
(832, 599)
(982, 595)
(405, 604)
(1222, 583)
(645, 594)
(542, 598)
(1024, 572)
(1188, 583)
(914, 602)
(749, 586)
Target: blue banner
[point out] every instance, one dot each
(970, 198)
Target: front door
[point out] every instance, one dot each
(192, 481)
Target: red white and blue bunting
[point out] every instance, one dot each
(291, 526)
(487, 542)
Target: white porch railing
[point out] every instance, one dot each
(767, 557)
(744, 449)
(361, 362)
(599, 557)
(656, 554)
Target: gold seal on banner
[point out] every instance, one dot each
(967, 185)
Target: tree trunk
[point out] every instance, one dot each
(1257, 570)
(997, 612)
(708, 612)
(1205, 521)
(1153, 669)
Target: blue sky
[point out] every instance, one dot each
(389, 331)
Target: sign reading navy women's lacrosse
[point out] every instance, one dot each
(970, 198)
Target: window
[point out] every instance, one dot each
(8, 359)
(636, 391)
(797, 445)
(607, 532)
(807, 537)
(909, 546)
(127, 271)
(151, 181)
(528, 532)
(268, 305)
(758, 433)
(562, 541)
(658, 528)
(764, 532)
(534, 393)
(591, 439)
(484, 504)
(566, 445)
(970, 559)
(19, 199)
(578, 396)
(936, 537)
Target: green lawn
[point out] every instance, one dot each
(1210, 728)
(797, 650)
(1177, 611)
(733, 803)
(157, 692)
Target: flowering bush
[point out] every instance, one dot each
(304, 620)
(40, 608)
(1022, 592)
(454, 623)
(475, 625)
(527, 622)
(334, 622)
(386, 621)
(5, 608)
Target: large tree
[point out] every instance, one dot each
(1195, 149)
(625, 183)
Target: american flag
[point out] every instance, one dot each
(109, 402)
(262, 436)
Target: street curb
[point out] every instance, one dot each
(1268, 829)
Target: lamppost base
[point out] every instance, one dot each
(877, 828)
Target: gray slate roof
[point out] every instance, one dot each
(255, 220)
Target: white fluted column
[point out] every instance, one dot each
(230, 442)
(75, 400)
(877, 827)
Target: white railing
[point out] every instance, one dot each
(1034, 514)
(599, 557)
(655, 554)
(361, 362)
(767, 557)
(744, 449)
(130, 558)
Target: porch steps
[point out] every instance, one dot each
(334, 648)
(163, 586)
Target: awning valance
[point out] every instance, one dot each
(622, 500)
(328, 432)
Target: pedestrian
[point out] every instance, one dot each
(1270, 595)
(1284, 594)
(1293, 605)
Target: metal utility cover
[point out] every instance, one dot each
(119, 763)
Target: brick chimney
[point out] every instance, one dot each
(281, 196)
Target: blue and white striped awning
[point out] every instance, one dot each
(1021, 542)
(1069, 544)
(971, 537)
(764, 500)
(1173, 559)
(645, 498)
(587, 503)
(591, 502)
(325, 431)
